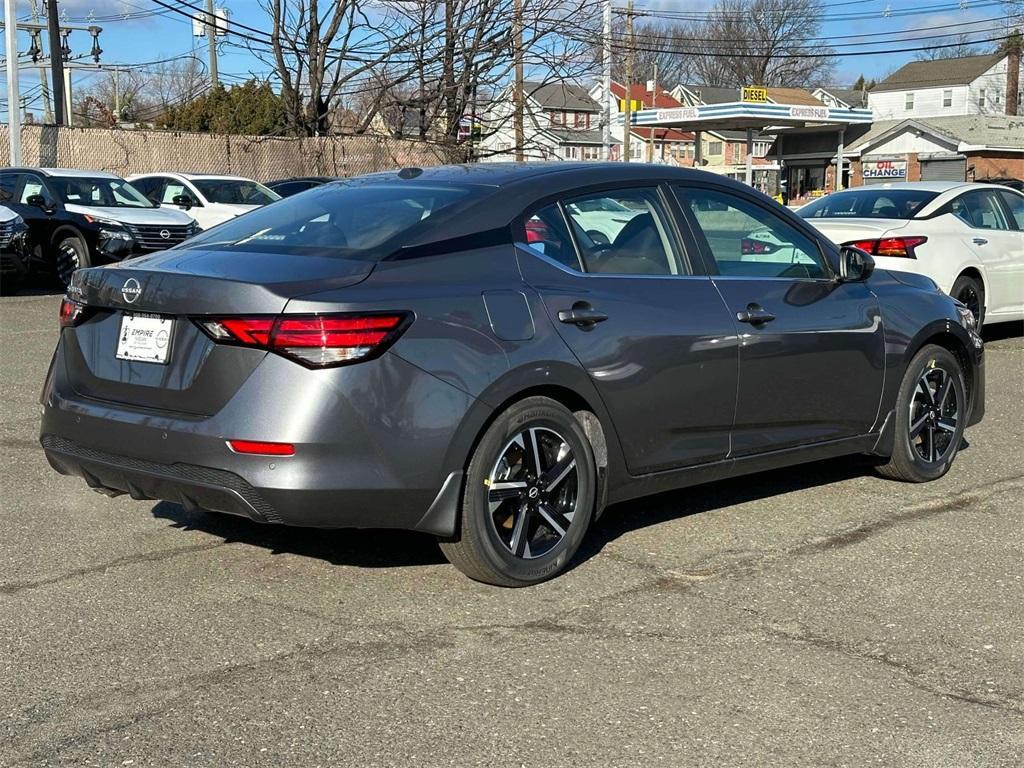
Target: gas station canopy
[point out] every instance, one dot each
(751, 115)
(742, 115)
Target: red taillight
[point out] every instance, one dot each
(900, 247)
(71, 313)
(749, 245)
(261, 448)
(317, 341)
(536, 231)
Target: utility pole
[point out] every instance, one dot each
(13, 102)
(517, 88)
(44, 85)
(606, 55)
(628, 111)
(654, 104)
(56, 60)
(211, 33)
(117, 94)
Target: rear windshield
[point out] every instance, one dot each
(351, 220)
(869, 204)
(235, 191)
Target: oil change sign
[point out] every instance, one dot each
(885, 169)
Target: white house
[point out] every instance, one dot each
(969, 85)
(561, 122)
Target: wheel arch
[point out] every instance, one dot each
(978, 274)
(63, 231)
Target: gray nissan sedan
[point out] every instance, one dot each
(493, 354)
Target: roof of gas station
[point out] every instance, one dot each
(743, 115)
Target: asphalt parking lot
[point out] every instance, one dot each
(817, 616)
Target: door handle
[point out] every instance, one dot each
(582, 315)
(755, 315)
(980, 241)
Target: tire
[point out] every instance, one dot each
(929, 423)
(524, 531)
(69, 254)
(971, 293)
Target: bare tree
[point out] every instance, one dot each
(949, 48)
(318, 50)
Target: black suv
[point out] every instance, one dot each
(83, 218)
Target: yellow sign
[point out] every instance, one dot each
(757, 95)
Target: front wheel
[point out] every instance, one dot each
(931, 415)
(528, 498)
(71, 254)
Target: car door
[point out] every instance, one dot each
(811, 348)
(642, 318)
(42, 221)
(991, 234)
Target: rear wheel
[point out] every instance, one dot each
(971, 293)
(71, 253)
(528, 498)
(931, 415)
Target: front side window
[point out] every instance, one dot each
(623, 232)
(235, 191)
(356, 219)
(99, 192)
(746, 240)
(33, 185)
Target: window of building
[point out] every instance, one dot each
(635, 149)
(909, 100)
(557, 118)
(591, 153)
(981, 99)
(714, 147)
(947, 97)
(998, 97)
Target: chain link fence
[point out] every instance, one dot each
(262, 158)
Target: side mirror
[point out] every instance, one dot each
(185, 201)
(855, 265)
(39, 202)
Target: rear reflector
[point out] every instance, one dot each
(261, 448)
(901, 247)
(316, 341)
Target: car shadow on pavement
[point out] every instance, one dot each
(392, 548)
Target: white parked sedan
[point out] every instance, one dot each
(208, 199)
(969, 238)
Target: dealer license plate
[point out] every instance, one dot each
(145, 338)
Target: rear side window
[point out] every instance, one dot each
(355, 220)
(546, 233)
(746, 240)
(8, 183)
(1016, 205)
(979, 209)
(867, 203)
(623, 232)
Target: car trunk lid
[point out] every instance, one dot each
(841, 231)
(198, 376)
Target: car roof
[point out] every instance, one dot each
(923, 186)
(192, 176)
(66, 172)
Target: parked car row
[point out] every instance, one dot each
(968, 238)
(54, 220)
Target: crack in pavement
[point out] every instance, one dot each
(14, 587)
(913, 676)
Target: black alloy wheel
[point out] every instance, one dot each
(528, 497)
(930, 418)
(71, 254)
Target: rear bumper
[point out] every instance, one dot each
(371, 447)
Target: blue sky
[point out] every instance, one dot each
(136, 40)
